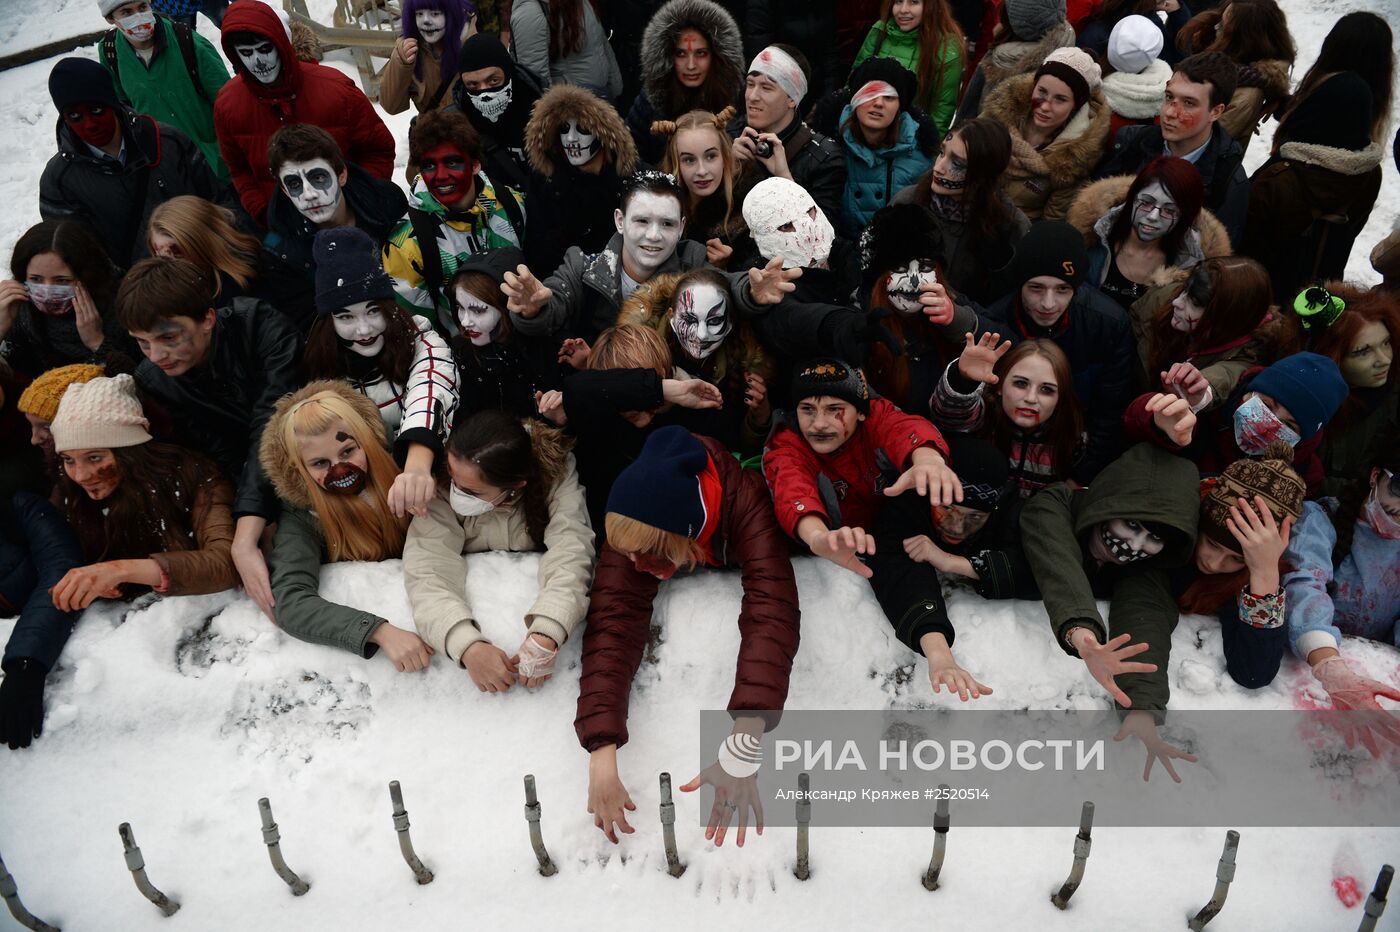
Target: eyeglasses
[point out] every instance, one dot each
(1168, 212)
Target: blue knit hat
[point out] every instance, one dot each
(661, 488)
(1310, 386)
(348, 270)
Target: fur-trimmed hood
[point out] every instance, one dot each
(277, 461)
(727, 64)
(1275, 77)
(565, 102)
(1017, 57)
(1341, 161)
(1072, 154)
(1138, 96)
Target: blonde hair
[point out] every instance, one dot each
(628, 535)
(207, 236)
(632, 346)
(671, 162)
(353, 528)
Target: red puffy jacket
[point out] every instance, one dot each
(619, 612)
(247, 112)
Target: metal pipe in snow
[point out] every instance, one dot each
(10, 892)
(420, 873)
(532, 816)
(273, 839)
(803, 870)
(1224, 873)
(1082, 844)
(941, 822)
(137, 865)
(1375, 903)
(674, 867)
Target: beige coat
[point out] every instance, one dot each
(436, 575)
(1246, 107)
(398, 84)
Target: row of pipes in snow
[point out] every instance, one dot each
(272, 838)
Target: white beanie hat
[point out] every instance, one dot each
(105, 7)
(102, 414)
(1134, 43)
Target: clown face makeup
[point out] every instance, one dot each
(701, 319)
(261, 59)
(361, 327)
(449, 175)
(94, 124)
(1123, 541)
(313, 188)
(785, 221)
(138, 27)
(491, 104)
(902, 286)
(1186, 314)
(479, 320)
(650, 230)
(1154, 212)
(579, 144)
(1256, 426)
(334, 460)
(950, 168)
(432, 25)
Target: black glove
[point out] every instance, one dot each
(22, 703)
(850, 333)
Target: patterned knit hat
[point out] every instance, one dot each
(42, 396)
(834, 378)
(100, 414)
(1270, 476)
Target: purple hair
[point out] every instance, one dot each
(457, 12)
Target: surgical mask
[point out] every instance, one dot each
(345, 479)
(262, 60)
(579, 145)
(139, 27)
(785, 221)
(432, 25)
(904, 284)
(1256, 427)
(1379, 519)
(491, 104)
(313, 188)
(468, 505)
(701, 319)
(53, 300)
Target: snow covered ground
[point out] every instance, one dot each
(177, 714)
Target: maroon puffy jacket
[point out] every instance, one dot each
(247, 112)
(619, 612)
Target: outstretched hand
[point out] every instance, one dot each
(1173, 416)
(1107, 661)
(1140, 725)
(525, 295)
(768, 284)
(935, 480)
(733, 796)
(691, 393)
(844, 547)
(979, 359)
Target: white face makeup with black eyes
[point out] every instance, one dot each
(1154, 212)
(650, 229)
(261, 58)
(579, 144)
(1122, 540)
(701, 319)
(432, 25)
(361, 326)
(903, 285)
(313, 188)
(479, 320)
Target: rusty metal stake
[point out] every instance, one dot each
(803, 870)
(420, 873)
(137, 865)
(1224, 873)
(674, 867)
(273, 839)
(1375, 903)
(1082, 844)
(941, 821)
(532, 816)
(24, 917)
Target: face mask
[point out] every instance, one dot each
(650, 230)
(94, 124)
(345, 479)
(53, 300)
(139, 27)
(1379, 519)
(1256, 427)
(1154, 212)
(579, 145)
(468, 506)
(261, 59)
(904, 284)
(785, 221)
(479, 320)
(432, 24)
(313, 188)
(361, 327)
(701, 319)
(491, 104)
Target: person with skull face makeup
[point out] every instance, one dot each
(422, 69)
(498, 98)
(273, 88)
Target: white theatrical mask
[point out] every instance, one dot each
(701, 319)
(1154, 212)
(902, 287)
(650, 230)
(313, 187)
(262, 60)
(579, 144)
(479, 320)
(432, 25)
(361, 326)
(785, 221)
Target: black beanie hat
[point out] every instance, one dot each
(661, 487)
(493, 262)
(348, 270)
(897, 235)
(485, 50)
(904, 82)
(832, 377)
(1337, 114)
(81, 81)
(1054, 248)
(982, 469)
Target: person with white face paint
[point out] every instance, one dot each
(396, 359)
(314, 188)
(422, 69)
(260, 58)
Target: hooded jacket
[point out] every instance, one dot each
(116, 198)
(503, 140)
(874, 176)
(435, 572)
(620, 612)
(247, 112)
(1043, 182)
(970, 262)
(1144, 484)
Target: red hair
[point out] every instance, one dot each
(1183, 182)
(1363, 307)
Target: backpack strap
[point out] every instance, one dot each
(425, 229)
(184, 37)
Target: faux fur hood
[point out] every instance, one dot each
(565, 102)
(1015, 57)
(1072, 154)
(1276, 77)
(727, 64)
(1138, 96)
(1341, 161)
(277, 460)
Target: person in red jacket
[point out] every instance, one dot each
(273, 88)
(853, 480)
(684, 502)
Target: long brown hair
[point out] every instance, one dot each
(936, 29)
(499, 445)
(1361, 42)
(1235, 295)
(566, 28)
(988, 144)
(325, 357)
(206, 235)
(1064, 428)
(487, 289)
(1257, 30)
(671, 161)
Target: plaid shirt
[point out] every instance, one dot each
(176, 7)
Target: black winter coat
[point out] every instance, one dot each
(815, 161)
(570, 208)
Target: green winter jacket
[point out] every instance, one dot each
(1146, 484)
(163, 90)
(298, 551)
(940, 102)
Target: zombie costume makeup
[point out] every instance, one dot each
(701, 319)
(580, 144)
(432, 25)
(260, 58)
(313, 187)
(1155, 212)
(448, 174)
(492, 104)
(905, 283)
(950, 168)
(1123, 540)
(785, 221)
(650, 229)
(95, 124)
(360, 327)
(345, 479)
(138, 27)
(480, 321)
(783, 70)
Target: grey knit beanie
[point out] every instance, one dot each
(1032, 19)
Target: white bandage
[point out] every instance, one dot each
(774, 63)
(871, 90)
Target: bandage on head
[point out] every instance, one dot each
(783, 69)
(872, 90)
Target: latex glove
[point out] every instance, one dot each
(22, 703)
(1350, 691)
(534, 662)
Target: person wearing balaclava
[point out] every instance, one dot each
(273, 88)
(497, 98)
(113, 165)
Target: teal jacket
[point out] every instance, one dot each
(874, 176)
(163, 90)
(298, 551)
(940, 102)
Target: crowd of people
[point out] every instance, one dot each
(974, 292)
